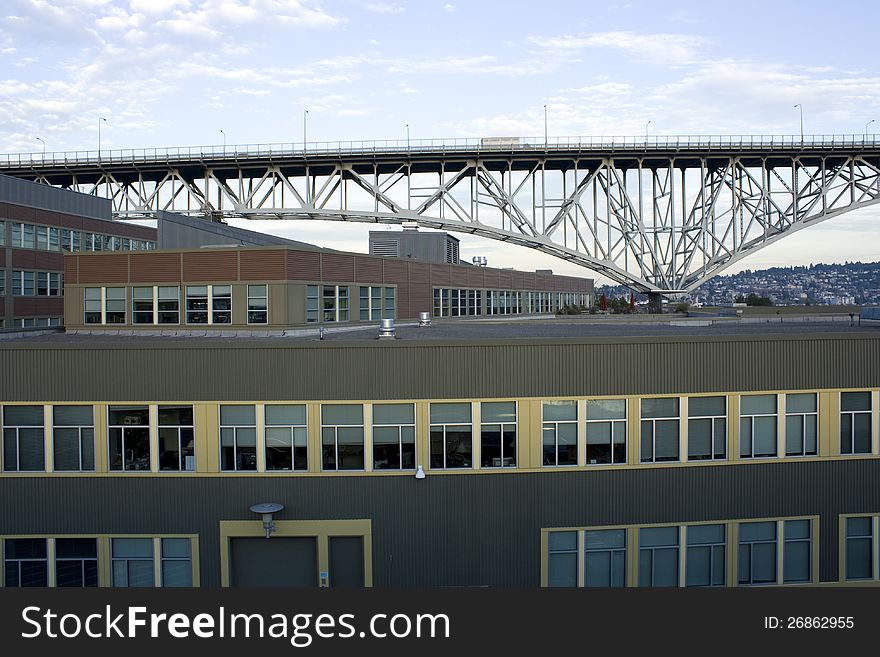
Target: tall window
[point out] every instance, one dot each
(312, 303)
(562, 559)
(196, 304)
(177, 449)
(73, 438)
(705, 555)
(23, 446)
(498, 435)
(855, 423)
(559, 432)
(660, 430)
(132, 562)
(2, 282)
(286, 437)
(129, 432)
(176, 562)
(451, 435)
(707, 428)
(114, 305)
(23, 283)
(859, 548)
(334, 303)
(757, 426)
(238, 437)
(258, 304)
(142, 305)
(605, 558)
(797, 551)
(169, 304)
(390, 303)
(370, 303)
(394, 437)
(92, 305)
(658, 556)
(221, 304)
(342, 436)
(2, 233)
(26, 562)
(757, 553)
(801, 424)
(76, 562)
(606, 431)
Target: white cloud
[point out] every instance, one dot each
(663, 49)
(384, 8)
(449, 8)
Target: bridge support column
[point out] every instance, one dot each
(655, 303)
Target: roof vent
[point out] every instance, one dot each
(386, 329)
(424, 319)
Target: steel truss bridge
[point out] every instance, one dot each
(661, 215)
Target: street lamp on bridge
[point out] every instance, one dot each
(305, 114)
(44, 143)
(100, 120)
(801, 107)
(866, 128)
(224, 140)
(646, 132)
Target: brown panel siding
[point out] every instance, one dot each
(38, 306)
(528, 280)
(367, 270)
(2, 257)
(439, 275)
(394, 272)
(337, 267)
(155, 267)
(48, 261)
(109, 268)
(505, 280)
(490, 278)
(475, 276)
(23, 258)
(262, 265)
(209, 266)
(303, 265)
(458, 276)
(71, 269)
(17, 212)
(2, 306)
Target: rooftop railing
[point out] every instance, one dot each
(235, 152)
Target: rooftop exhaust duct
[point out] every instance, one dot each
(386, 329)
(424, 320)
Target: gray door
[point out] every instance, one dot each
(276, 561)
(347, 561)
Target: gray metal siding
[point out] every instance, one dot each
(450, 530)
(96, 370)
(45, 197)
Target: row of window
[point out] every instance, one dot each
(457, 302)
(74, 562)
(35, 322)
(203, 304)
(331, 303)
(768, 552)
(51, 238)
(33, 283)
(451, 439)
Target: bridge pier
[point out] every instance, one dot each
(655, 303)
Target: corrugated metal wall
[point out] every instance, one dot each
(194, 369)
(450, 530)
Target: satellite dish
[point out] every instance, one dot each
(267, 507)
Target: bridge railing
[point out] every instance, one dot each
(235, 152)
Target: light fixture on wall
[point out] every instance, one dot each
(267, 509)
(420, 472)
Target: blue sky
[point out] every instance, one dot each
(176, 72)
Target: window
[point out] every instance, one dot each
(286, 437)
(705, 555)
(258, 304)
(451, 435)
(2, 282)
(23, 446)
(660, 430)
(757, 426)
(221, 304)
(73, 438)
(562, 559)
(335, 303)
(797, 548)
(2, 233)
(176, 562)
(196, 304)
(312, 303)
(42, 283)
(855, 423)
(757, 553)
(23, 283)
(132, 562)
(370, 303)
(606, 431)
(390, 303)
(25, 562)
(658, 556)
(801, 424)
(238, 438)
(342, 436)
(176, 439)
(169, 304)
(129, 433)
(498, 435)
(92, 305)
(859, 548)
(394, 437)
(76, 562)
(559, 432)
(142, 305)
(707, 428)
(114, 307)
(605, 558)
